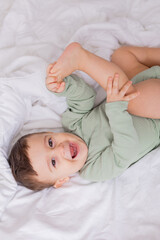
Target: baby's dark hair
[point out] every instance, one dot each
(22, 169)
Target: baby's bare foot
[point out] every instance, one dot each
(68, 62)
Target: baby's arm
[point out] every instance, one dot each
(79, 95)
(122, 151)
(124, 148)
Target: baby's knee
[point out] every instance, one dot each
(117, 55)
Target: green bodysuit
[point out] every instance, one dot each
(115, 138)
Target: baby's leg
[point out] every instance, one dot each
(147, 104)
(133, 60)
(77, 58)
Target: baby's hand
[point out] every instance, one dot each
(53, 83)
(115, 94)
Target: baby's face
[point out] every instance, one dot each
(56, 156)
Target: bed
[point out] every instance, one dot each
(33, 34)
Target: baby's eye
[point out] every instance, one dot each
(53, 162)
(50, 142)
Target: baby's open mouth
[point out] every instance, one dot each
(73, 150)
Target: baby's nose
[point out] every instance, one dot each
(64, 151)
(60, 150)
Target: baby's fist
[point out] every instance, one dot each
(53, 85)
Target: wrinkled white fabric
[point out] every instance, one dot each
(33, 34)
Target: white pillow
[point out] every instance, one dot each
(23, 89)
(13, 111)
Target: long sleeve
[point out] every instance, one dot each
(80, 99)
(123, 149)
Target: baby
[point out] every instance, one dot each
(100, 142)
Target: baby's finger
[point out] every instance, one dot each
(125, 88)
(50, 80)
(109, 85)
(61, 87)
(53, 87)
(115, 84)
(57, 75)
(131, 96)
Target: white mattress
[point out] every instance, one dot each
(33, 34)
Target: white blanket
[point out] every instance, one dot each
(33, 34)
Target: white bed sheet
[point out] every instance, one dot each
(32, 34)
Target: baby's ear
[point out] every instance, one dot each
(60, 182)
